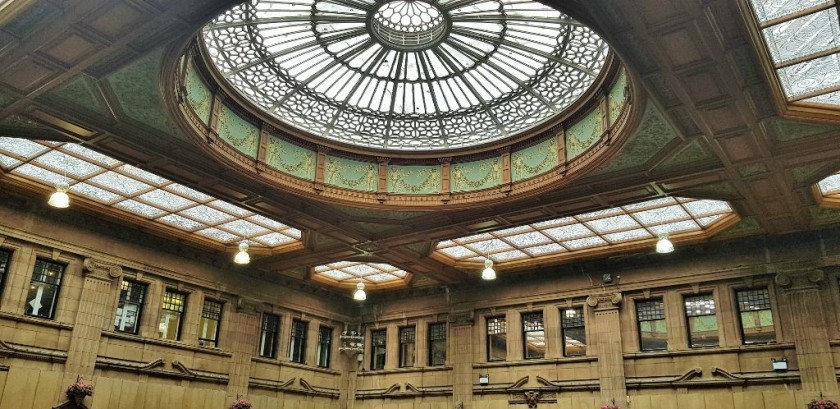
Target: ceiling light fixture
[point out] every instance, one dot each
(360, 294)
(59, 198)
(488, 273)
(664, 245)
(242, 256)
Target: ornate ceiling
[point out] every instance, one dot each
(715, 125)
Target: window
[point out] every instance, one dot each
(652, 333)
(5, 256)
(268, 335)
(324, 345)
(377, 349)
(170, 318)
(132, 295)
(496, 339)
(43, 290)
(574, 332)
(702, 321)
(407, 343)
(211, 317)
(437, 344)
(297, 345)
(533, 332)
(756, 316)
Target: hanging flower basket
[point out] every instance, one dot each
(822, 404)
(79, 389)
(240, 404)
(609, 406)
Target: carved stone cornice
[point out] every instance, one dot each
(802, 280)
(604, 301)
(101, 269)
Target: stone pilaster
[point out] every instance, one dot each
(607, 344)
(94, 313)
(243, 327)
(801, 296)
(461, 343)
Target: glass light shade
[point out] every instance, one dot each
(664, 245)
(59, 198)
(488, 273)
(360, 294)
(242, 256)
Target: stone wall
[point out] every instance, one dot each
(39, 357)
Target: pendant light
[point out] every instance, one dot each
(242, 256)
(664, 245)
(59, 199)
(360, 294)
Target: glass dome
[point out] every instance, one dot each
(406, 74)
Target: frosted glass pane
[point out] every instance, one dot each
(218, 235)
(94, 193)
(140, 208)
(811, 76)
(206, 214)
(20, 147)
(803, 36)
(40, 174)
(62, 162)
(165, 200)
(830, 185)
(772, 9)
(832, 98)
(119, 183)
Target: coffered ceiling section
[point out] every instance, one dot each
(350, 272)
(104, 181)
(615, 229)
(803, 40)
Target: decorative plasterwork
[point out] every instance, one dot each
(611, 230)
(526, 164)
(117, 187)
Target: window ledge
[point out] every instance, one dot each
(373, 372)
(526, 362)
(713, 350)
(36, 320)
(165, 343)
(294, 365)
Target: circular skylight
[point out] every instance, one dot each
(406, 74)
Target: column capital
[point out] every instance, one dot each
(101, 269)
(604, 301)
(798, 280)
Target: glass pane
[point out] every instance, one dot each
(757, 327)
(40, 301)
(703, 331)
(534, 344)
(652, 335)
(496, 347)
(208, 332)
(574, 341)
(407, 354)
(771, 9)
(170, 323)
(811, 76)
(268, 336)
(803, 36)
(437, 352)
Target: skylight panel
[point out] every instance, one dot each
(803, 39)
(830, 185)
(564, 237)
(772, 9)
(468, 60)
(352, 272)
(107, 181)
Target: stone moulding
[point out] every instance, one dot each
(32, 353)
(155, 368)
(397, 391)
(287, 387)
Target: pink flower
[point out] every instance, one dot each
(241, 404)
